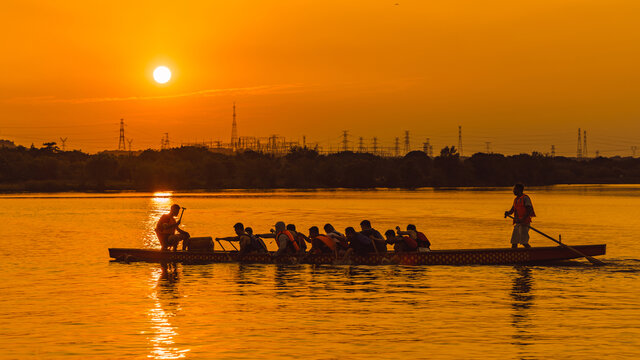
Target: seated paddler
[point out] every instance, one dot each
(321, 244)
(166, 229)
(359, 243)
(401, 243)
(247, 245)
(287, 244)
(340, 239)
(374, 235)
(299, 237)
(257, 240)
(423, 243)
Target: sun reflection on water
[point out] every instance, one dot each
(158, 205)
(163, 333)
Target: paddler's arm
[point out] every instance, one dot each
(167, 229)
(266, 236)
(404, 233)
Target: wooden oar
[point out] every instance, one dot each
(591, 259)
(182, 213)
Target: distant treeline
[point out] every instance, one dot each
(47, 169)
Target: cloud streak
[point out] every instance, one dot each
(252, 90)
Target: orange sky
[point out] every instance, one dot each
(520, 74)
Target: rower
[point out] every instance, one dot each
(246, 245)
(299, 237)
(166, 230)
(287, 244)
(373, 234)
(255, 239)
(321, 244)
(400, 243)
(423, 243)
(360, 244)
(522, 211)
(340, 239)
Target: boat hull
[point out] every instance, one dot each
(502, 256)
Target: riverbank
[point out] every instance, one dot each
(193, 168)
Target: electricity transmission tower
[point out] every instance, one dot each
(164, 143)
(121, 143)
(579, 150)
(234, 130)
(460, 140)
(407, 146)
(396, 148)
(345, 140)
(63, 141)
(584, 144)
(375, 146)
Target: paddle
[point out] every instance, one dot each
(182, 213)
(591, 259)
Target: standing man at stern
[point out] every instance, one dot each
(522, 211)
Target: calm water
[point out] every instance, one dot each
(62, 298)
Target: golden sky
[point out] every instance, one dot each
(520, 74)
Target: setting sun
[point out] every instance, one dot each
(162, 74)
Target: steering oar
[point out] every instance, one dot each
(591, 259)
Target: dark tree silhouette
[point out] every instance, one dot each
(190, 168)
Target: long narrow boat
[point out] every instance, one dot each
(502, 256)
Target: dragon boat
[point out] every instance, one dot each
(497, 256)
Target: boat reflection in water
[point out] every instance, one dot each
(165, 296)
(522, 309)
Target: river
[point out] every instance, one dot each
(61, 297)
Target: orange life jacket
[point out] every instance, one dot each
(411, 244)
(327, 241)
(520, 210)
(291, 239)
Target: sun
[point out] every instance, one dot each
(162, 74)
